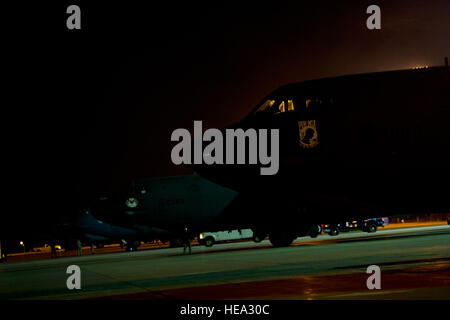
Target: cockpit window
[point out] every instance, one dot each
(276, 106)
(283, 104)
(307, 103)
(312, 103)
(290, 105)
(281, 107)
(265, 106)
(294, 104)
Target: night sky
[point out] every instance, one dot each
(95, 108)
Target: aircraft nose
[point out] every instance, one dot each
(232, 156)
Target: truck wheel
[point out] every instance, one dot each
(372, 228)
(281, 239)
(256, 238)
(259, 235)
(209, 241)
(315, 231)
(334, 231)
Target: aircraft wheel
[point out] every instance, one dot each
(281, 239)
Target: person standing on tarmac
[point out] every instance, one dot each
(79, 248)
(53, 253)
(186, 241)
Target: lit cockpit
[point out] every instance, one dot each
(275, 106)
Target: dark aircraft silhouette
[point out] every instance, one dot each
(87, 228)
(351, 147)
(170, 208)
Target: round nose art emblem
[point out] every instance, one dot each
(131, 202)
(308, 134)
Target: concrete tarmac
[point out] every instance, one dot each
(414, 262)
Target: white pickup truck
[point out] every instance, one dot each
(210, 238)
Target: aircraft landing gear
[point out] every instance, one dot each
(281, 238)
